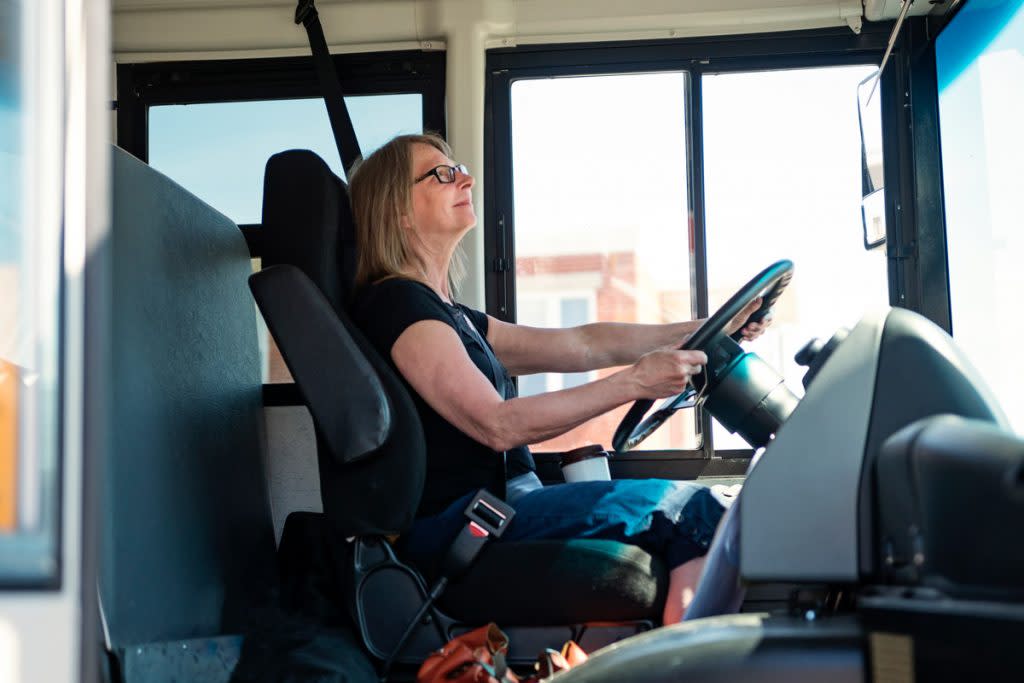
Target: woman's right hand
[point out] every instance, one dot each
(665, 372)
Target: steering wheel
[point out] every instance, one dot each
(770, 283)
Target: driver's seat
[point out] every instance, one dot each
(372, 458)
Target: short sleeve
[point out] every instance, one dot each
(385, 310)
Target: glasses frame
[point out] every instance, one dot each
(451, 176)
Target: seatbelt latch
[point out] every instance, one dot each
(488, 516)
(490, 512)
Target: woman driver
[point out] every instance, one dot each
(412, 205)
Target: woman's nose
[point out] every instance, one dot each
(465, 180)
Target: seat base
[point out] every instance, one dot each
(388, 594)
(535, 583)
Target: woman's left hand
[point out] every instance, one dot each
(751, 331)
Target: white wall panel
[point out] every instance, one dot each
(291, 467)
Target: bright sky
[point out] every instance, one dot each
(218, 151)
(600, 165)
(597, 157)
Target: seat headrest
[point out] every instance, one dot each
(307, 222)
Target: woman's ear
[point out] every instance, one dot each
(404, 221)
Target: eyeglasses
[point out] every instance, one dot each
(443, 173)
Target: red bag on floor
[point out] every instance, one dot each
(552, 662)
(478, 656)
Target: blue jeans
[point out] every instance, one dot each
(675, 520)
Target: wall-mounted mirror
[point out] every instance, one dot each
(872, 208)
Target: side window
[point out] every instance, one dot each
(601, 217)
(786, 183)
(30, 284)
(218, 150)
(660, 189)
(558, 309)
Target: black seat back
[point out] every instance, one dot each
(307, 223)
(187, 541)
(375, 487)
(371, 471)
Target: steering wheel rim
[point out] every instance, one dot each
(771, 281)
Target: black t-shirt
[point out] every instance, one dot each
(456, 463)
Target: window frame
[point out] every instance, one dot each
(914, 249)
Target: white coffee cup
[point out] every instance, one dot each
(588, 463)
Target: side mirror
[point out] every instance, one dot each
(872, 207)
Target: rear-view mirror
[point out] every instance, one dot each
(872, 208)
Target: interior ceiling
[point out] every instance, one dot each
(146, 30)
(886, 7)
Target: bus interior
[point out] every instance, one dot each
(203, 464)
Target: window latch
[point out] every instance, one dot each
(899, 251)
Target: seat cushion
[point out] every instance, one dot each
(532, 583)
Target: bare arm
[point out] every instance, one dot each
(431, 357)
(526, 350)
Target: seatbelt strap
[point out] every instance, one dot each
(500, 383)
(330, 86)
(497, 371)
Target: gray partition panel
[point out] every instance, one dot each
(187, 540)
(799, 516)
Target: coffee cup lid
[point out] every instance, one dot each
(582, 453)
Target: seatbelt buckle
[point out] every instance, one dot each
(303, 10)
(488, 517)
(489, 514)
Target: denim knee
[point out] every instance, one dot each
(684, 532)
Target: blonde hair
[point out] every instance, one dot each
(381, 190)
